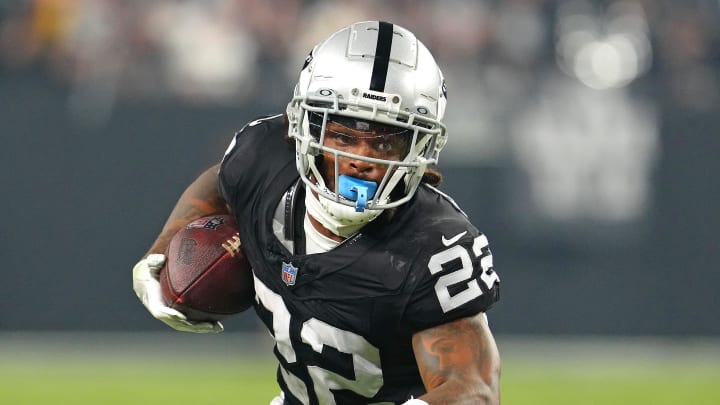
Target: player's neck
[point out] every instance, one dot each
(324, 231)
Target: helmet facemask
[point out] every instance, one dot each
(413, 146)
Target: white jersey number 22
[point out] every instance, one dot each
(463, 274)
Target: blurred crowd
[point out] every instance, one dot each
(230, 51)
(545, 83)
(206, 51)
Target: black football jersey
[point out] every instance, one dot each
(343, 320)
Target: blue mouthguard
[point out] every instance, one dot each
(356, 190)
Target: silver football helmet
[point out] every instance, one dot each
(373, 72)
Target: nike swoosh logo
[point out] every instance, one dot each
(448, 242)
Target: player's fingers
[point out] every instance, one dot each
(208, 327)
(155, 263)
(167, 312)
(194, 328)
(156, 260)
(198, 327)
(177, 320)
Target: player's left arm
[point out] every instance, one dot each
(459, 362)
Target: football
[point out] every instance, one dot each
(206, 275)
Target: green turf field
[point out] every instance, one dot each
(123, 371)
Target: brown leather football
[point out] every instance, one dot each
(206, 275)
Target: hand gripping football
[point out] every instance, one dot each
(206, 275)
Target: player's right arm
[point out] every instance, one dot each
(455, 351)
(459, 362)
(201, 198)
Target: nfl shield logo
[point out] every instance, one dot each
(289, 273)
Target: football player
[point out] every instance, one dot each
(373, 283)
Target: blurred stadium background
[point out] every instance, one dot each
(584, 141)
